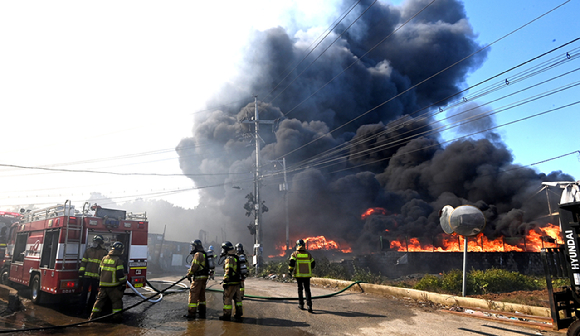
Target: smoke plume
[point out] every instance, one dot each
(390, 155)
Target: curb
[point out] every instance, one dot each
(444, 299)
(10, 296)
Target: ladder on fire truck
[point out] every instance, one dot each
(76, 229)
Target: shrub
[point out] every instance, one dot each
(274, 267)
(429, 283)
(501, 281)
(365, 275)
(326, 269)
(479, 282)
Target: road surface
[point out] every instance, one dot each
(345, 314)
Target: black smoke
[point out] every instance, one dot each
(391, 154)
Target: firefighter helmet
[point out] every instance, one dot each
(227, 246)
(118, 246)
(240, 248)
(97, 238)
(300, 242)
(196, 245)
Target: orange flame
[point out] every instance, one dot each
(532, 242)
(321, 243)
(373, 211)
(315, 243)
(281, 248)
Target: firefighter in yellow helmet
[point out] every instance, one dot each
(200, 271)
(113, 281)
(89, 272)
(232, 280)
(300, 266)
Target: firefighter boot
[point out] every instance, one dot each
(310, 309)
(190, 313)
(201, 308)
(225, 318)
(94, 315)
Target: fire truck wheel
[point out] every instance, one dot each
(36, 293)
(574, 329)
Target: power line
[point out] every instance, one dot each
(111, 173)
(412, 87)
(518, 77)
(438, 143)
(358, 60)
(324, 51)
(311, 50)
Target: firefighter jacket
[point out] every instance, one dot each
(231, 270)
(301, 263)
(199, 267)
(91, 262)
(112, 270)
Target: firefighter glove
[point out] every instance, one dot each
(290, 275)
(81, 274)
(188, 276)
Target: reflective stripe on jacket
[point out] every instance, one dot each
(91, 261)
(198, 267)
(301, 264)
(231, 272)
(112, 270)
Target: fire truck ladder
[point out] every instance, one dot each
(67, 239)
(563, 304)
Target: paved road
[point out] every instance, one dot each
(345, 314)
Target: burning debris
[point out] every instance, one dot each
(380, 155)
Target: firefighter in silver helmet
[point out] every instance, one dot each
(113, 281)
(300, 266)
(89, 272)
(231, 283)
(199, 272)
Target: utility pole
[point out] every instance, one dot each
(258, 249)
(285, 187)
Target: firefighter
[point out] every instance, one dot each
(89, 272)
(112, 281)
(231, 283)
(243, 265)
(200, 271)
(300, 266)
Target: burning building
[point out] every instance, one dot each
(352, 120)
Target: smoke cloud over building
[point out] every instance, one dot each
(384, 149)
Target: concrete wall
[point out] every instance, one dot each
(398, 264)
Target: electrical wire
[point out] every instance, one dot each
(403, 140)
(556, 61)
(326, 49)
(311, 49)
(410, 88)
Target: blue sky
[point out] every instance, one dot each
(552, 134)
(83, 86)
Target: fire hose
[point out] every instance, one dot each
(95, 319)
(160, 292)
(325, 296)
(143, 297)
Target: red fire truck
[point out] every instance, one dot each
(45, 247)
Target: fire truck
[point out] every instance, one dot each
(45, 247)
